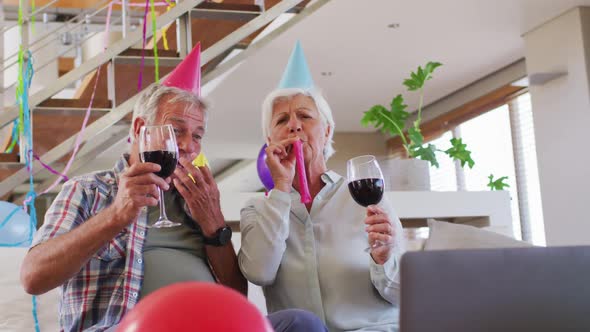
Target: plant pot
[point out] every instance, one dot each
(405, 174)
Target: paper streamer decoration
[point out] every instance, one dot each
(302, 177)
(143, 45)
(154, 31)
(16, 220)
(49, 168)
(199, 161)
(165, 29)
(33, 16)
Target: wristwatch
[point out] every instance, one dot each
(220, 238)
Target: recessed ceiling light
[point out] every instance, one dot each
(393, 25)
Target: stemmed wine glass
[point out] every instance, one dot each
(157, 144)
(365, 183)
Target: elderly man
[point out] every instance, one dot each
(95, 241)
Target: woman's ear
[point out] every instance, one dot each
(137, 124)
(328, 131)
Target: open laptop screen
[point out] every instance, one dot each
(521, 289)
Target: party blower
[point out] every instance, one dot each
(302, 177)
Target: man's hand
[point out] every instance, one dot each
(138, 187)
(381, 234)
(201, 195)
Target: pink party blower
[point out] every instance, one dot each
(303, 188)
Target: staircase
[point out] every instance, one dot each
(229, 32)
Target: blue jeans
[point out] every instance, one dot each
(296, 320)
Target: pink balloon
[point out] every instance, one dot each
(194, 306)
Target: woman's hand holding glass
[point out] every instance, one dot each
(381, 234)
(365, 183)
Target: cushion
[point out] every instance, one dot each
(16, 305)
(447, 236)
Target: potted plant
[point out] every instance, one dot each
(394, 122)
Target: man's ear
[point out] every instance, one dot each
(137, 124)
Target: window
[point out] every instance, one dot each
(502, 142)
(527, 171)
(489, 139)
(443, 178)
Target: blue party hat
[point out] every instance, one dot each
(296, 74)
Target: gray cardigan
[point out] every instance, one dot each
(316, 261)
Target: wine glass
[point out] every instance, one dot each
(365, 183)
(157, 144)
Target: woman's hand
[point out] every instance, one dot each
(381, 234)
(280, 160)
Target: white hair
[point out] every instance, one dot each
(146, 106)
(320, 102)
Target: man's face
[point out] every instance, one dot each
(188, 124)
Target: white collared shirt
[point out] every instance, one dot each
(316, 261)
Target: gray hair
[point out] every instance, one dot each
(320, 102)
(146, 106)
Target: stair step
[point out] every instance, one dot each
(10, 165)
(148, 60)
(149, 52)
(226, 11)
(299, 7)
(73, 106)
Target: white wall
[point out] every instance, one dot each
(349, 145)
(561, 111)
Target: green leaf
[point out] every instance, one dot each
(398, 111)
(391, 122)
(459, 152)
(425, 153)
(498, 184)
(415, 134)
(418, 78)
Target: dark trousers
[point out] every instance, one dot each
(290, 320)
(296, 320)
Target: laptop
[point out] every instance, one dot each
(521, 289)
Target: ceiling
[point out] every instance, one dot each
(367, 61)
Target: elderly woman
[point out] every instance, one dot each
(312, 256)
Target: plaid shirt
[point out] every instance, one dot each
(108, 285)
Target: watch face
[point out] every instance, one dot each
(225, 235)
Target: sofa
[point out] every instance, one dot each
(16, 305)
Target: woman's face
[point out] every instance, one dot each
(299, 116)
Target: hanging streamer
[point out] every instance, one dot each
(14, 136)
(33, 16)
(78, 138)
(29, 162)
(49, 168)
(143, 45)
(165, 29)
(154, 31)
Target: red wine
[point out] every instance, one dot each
(366, 191)
(166, 159)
